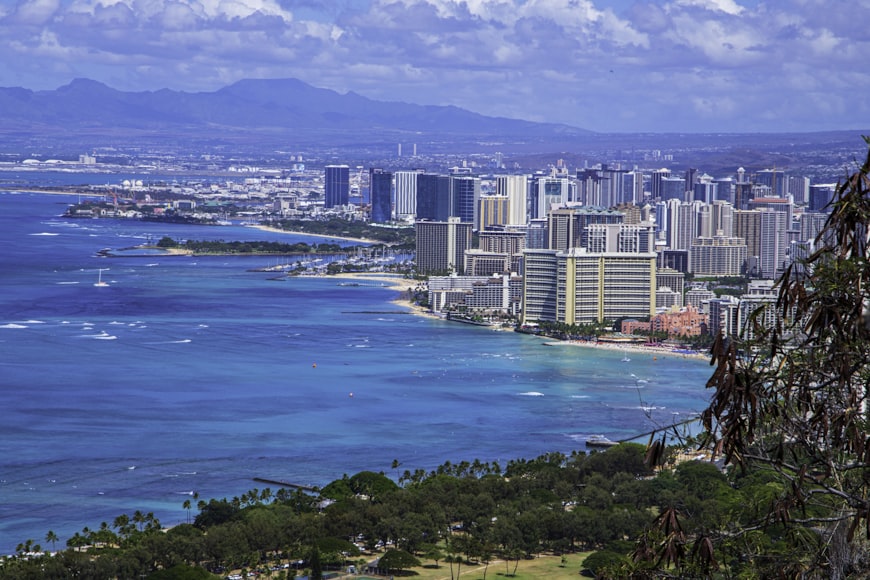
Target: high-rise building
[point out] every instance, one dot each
(717, 256)
(705, 189)
(773, 229)
(549, 192)
(537, 237)
(567, 227)
(406, 194)
(799, 189)
(747, 225)
(578, 286)
(682, 223)
(433, 197)
(724, 190)
(724, 316)
(775, 179)
(336, 185)
(632, 188)
(780, 204)
(758, 305)
(601, 186)
(516, 189)
(821, 195)
(381, 194)
(655, 182)
(673, 279)
(672, 188)
(492, 211)
(464, 196)
(441, 246)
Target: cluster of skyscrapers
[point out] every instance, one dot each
(605, 243)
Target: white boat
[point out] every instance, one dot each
(625, 357)
(599, 441)
(99, 282)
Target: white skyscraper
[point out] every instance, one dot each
(515, 188)
(406, 194)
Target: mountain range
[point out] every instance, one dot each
(270, 109)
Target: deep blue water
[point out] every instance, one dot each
(195, 375)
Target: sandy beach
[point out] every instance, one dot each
(395, 282)
(637, 349)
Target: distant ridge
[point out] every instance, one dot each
(276, 108)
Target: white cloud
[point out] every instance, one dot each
(35, 12)
(600, 64)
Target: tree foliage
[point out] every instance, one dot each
(789, 404)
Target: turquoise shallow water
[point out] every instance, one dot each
(195, 375)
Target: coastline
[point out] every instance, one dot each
(275, 230)
(633, 348)
(394, 282)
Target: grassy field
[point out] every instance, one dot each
(549, 567)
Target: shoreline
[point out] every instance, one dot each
(275, 230)
(634, 348)
(394, 282)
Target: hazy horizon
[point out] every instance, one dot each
(697, 66)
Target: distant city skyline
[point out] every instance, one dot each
(604, 65)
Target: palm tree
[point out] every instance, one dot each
(186, 505)
(51, 537)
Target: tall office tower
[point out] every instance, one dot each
(548, 192)
(589, 186)
(516, 189)
(441, 246)
(774, 179)
(717, 256)
(705, 189)
(567, 227)
(537, 237)
(464, 196)
(381, 194)
(799, 189)
(672, 188)
(433, 197)
(821, 195)
(337, 185)
(406, 194)
(632, 188)
(773, 228)
(691, 178)
(724, 190)
(600, 186)
(747, 225)
(492, 211)
(742, 194)
(655, 182)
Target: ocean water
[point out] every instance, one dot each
(193, 374)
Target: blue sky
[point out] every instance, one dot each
(605, 65)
